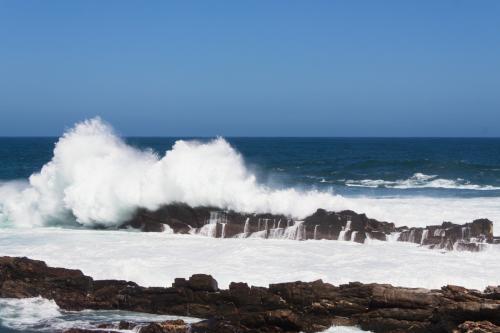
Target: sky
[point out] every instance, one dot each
(251, 68)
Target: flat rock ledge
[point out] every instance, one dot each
(345, 225)
(284, 307)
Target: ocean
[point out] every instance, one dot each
(409, 181)
(434, 167)
(56, 195)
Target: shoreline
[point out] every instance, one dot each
(283, 307)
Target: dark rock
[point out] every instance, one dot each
(169, 326)
(345, 225)
(203, 282)
(283, 307)
(320, 225)
(85, 330)
(463, 237)
(477, 327)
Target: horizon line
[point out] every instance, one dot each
(260, 137)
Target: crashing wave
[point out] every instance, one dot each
(95, 178)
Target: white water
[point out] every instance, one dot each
(246, 228)
(425, 234)
(96, 178)
(343, 329)
(38, 314)
(155, 259)
(420, 180)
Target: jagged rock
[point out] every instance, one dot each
(202, 282)
(182, 218)
(345, 225)
(466, 237)
(492, 292)
(283, 307)
(169, 326)
(477, 327)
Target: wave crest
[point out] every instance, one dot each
(95, 178)
(420, 180)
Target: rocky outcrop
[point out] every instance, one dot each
(214, 222)
(345, 225)
(283, 307)
(470, 236)
(477, 327)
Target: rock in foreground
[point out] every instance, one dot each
(284, 307)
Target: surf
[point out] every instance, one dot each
(96, 179)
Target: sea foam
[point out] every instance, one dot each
(96, 178)
(420, 180)
(156, 259)
(42, 315)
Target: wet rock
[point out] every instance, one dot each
(477, 327)
(463, 237)
(203, 282)
(169, 326)
(322, 224)
(492, 292)
(85, 330)
(345, 225)
(283, 307)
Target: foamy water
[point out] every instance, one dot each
(420, 180)
(156, 259)
(39, 314)
(95, 178)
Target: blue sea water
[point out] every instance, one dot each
(442, 167)
(385, 168)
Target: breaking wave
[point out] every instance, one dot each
(420, 180)
(95, 178)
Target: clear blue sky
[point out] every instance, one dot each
(252, 68)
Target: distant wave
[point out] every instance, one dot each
(420, 180)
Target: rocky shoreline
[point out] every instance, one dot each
(284, 307)
(344, 225)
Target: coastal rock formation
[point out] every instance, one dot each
(214, 222)
(345, 225)
(470, 236)
(284, 307)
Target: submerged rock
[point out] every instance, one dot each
(283, 307)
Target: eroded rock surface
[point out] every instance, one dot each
(345, 225)
(469, 236)
(283, 307)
